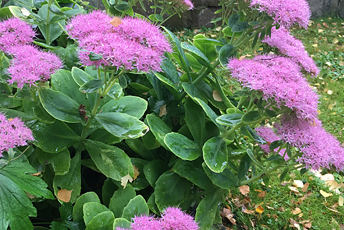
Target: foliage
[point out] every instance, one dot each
(113, 142)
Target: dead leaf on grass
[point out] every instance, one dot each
(227, 213)
(325, 194)
(245, 189)
(327, 177)
(260, 209)
(340, 201)
(305, 187)
(298, 183)
(293, 189)
(64, 195)
(296, 211)
(247, 211)
(294, 224)
(262, 194)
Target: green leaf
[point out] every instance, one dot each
(283, 174)
(207, 209)
(122, 7)
(59, 161)
(49, 31)
(83, 199)
(182, 146)
(225, 179)
(229, 119)
(196, 52)
(138, 147)
(53, 138)
(251, 117)
(121, 223)
(170, 70)
(91, 209)
(195, 120)
(71, 180)
(102, 221)
(131, 105)
(192, 91)
(247, 131)
(207, 46)
(171, 190)
(113, 162)
(42, 115)
(5, 12)
(20, 172)
(122, 125)
(215, 154)
(121, 198)
(54, 9)
(150, 141)
(165, 80)
(275, 145)
(193, 172)
(271, 113)
(226, 52)
(108, 190)
(153, 170)
(91, 86)
(80, 76)
(245, 164)
(136, 207)
(209, 111)
(250, 154)
(15, 206)
(241, 26)
(233, 20)
(9, 102)
(94, 56)
(158, 128)
(152, 205)
(59, 105)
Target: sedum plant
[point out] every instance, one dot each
(122, 121)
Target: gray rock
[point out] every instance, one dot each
(321, 8)
(341, 9)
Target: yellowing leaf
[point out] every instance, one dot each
(216, 95)
(260, 209)
(325, 194)
(116, 22)
(333, 184)
(245, 189)
(64, 195)
(293, 189)
(298, 183)
(296, 211)
(341, 201)
(125, 179)
(136, 172)
(335, 41)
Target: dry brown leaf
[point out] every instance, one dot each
(136, 172)
(294, 224)
(64, 195)
(125, 179)
(325, 194)
(305, 187)
(216, 95)
(116, 22)
(260, 209)
(262, 194)
(227, 213)
(36, 174)
(281, 209)
(296, 211)
(245, 189)
(163, 111)
(308, 225)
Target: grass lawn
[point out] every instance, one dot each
(301, 201)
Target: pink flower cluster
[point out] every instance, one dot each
(13, 133)
(171, 219)
(285, 12)
(14, 32)
(28, 64)
(185, 4)
(129, 43)
(278, 79)
(291, 47)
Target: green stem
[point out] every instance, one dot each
(223, 96)
(159, 24)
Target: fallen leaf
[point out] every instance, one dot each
(136, 172)
(284, 183)
(325, 194)
(294, 224)
(335, 41)
(247, 211)
(227, 213)
(281, 209)
(262, 194)
(327, 177)
(216, 95)
(305, 187)
(296, 211)
(245, 189)
(333, 184)
(36, 174)
(320, 30)
(325, 25)
(125, 179)
(329, 92)
(293, 189)
(116, 22)
(163, 111)
(298, 183)
(308, 225)
(64, 195)
(260, 209)
(340, 201)
(25, 12)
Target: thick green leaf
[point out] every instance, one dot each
(250, 154)
(42, 115)
(152, 205)
(9, 102)
(226, 52)
(140, 182)
(49, 31)
(207, 209)
(121, 223)
(233, 20)
(5, 12)
(251, 117)
(275, 145)
(166, 80)
(158, 128)
(215, 154)
(59, 161)
(91, 86)
(80, 76)
(131, 105)
(170, 70)
(71, 180)
(182, 146)
(122, 125)
(54, 9)
(11, 113)
(229, 119)
(83, 199)
(102, 221)
(15, 206)
(240, 26)
(136, 207)
(138, 147)
(207, 46)
(209, 111)
(113, 162)
(245, 164)
(108, 190)
(120, 199)
(247, 131)
(20, 172)
(60, 106)
(153, 171)
(150, 141)
(53, 138)
(195, 120)
(225, 179)
(196, 52)
(171, 190)
(194, 172)
(91, 209)
(192, 91)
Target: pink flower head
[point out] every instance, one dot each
(291, 47)
(184, 4)
(285, 12)
(176, 219)
(14, 32)
(30, 65)
(132, 44)
(279, 79)
(13, 133)
(320, 149)
(269, 136)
